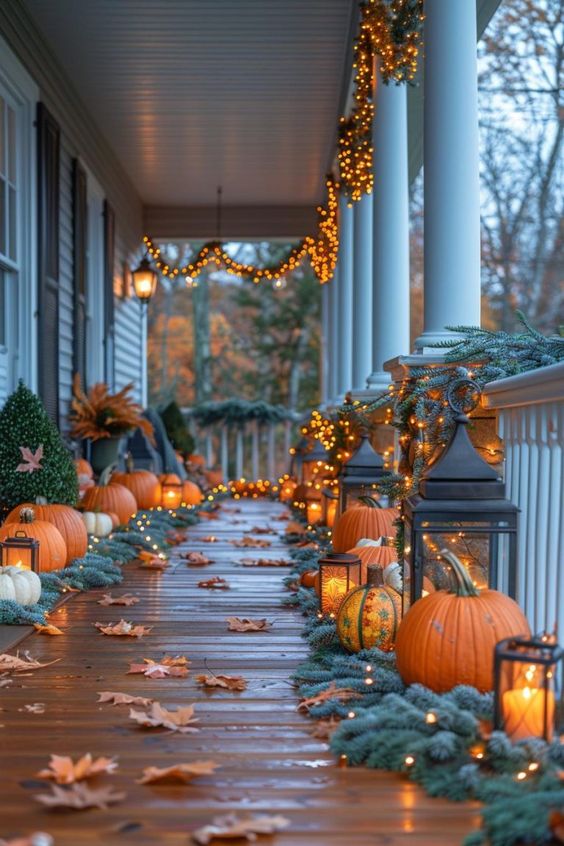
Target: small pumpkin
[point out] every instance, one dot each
(308, 578)
(67, 520)
(448, 638)
(373, 552)
(31, 593)
(214, 477)
(191, 493)
(199, 460)
(97, 523)
(370, 615)
(365, 521)
(52, 553)
(110, 496)
(83, 468)
(143, 484)
(7, 588)
(114, 518)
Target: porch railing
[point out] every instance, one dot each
(530, 410)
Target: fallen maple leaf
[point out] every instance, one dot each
(5, 680)
(123, 628)
(343, 694)
(31, 460)
(178, 772)
(245, 624)
(323, 729)
(281, 517)
(209, 539)
(295, 528)
(49, 629)
(79, 797)
(15, 664)
(167, 666)
(265, 562)
(124, 599)
(114, 698)
(227, 682)
(63, 770)
(216, 583)
(176, 537)
(233, 827)
(196, 559)
(305, 544)
(34, 708)
(180, 720)
(248, 542)
(154, 563)
(261, 530)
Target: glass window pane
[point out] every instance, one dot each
(2, 139)
(2, 216)
(3, 307)
(11, 143)
(12, 224)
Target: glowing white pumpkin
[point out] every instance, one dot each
(19, 577)
(97, 523)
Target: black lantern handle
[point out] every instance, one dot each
(467, 402)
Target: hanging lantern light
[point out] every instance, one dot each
(20, 551)
(314, 467)
(171, 490)
(526, 673)
(460, 507)
(339, 573)
(144, 280)
(360, 473)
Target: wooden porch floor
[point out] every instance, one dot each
(270, 763)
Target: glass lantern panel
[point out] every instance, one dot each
(336, 582)
(527, 699)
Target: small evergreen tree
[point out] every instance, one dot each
(177, 429)
(34, 461)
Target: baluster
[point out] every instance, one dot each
(270, 461)
(255, 449)
(239, 452)
(225, 452)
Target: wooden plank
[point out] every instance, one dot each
(270, 761)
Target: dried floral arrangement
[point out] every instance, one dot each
(100, 414)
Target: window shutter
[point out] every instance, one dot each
(80, 235)
(109, 256)
(48, 167)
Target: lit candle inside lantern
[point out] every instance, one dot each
(331, 512)
(313, 512)
(528, 710)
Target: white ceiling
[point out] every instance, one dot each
(192, 94)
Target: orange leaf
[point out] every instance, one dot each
(49, 629)
(63, 770)
(250, 542)
(265, 562)
(232, 827)
(196, 559)
(15, 664)
(332, 692)
(209, 539)
(80, 796)
(113, 698)
(261, 530)
(216, 583)
(244, 624)
(178, 772)
(180, 720)
(227, 682)
(168, 667)
(123, 628)
(124, 599)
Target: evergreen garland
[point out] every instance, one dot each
(237, 412)
(24, 424)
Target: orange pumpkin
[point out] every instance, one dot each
(366, 521)
(194, 458)
(66, 519)
(446, 639)
(214, 478)
(369, 617)
(110, 496)
(52, 553)
(191, 493)
(309, 577)
(381, 555)
(114, 518)
(143, 484)
(84, 468)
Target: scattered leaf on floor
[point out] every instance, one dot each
(227, 682)
(176, 666)
(209, 539)
(265, 562)
(5, 680)
(123, 628)
(15, 664)
(64, 770)
(180, 720)
(261, 530)
(232, 827)
(49, 629)
(116, 698)
(215, 583)
(250, 542)
(34, 708)
(178, 772)
(196, 559)
(295, 528)
(176, 537)
(154, 563)
(124, 599)
(343, 694)
(38, 838)
(307, 545)
(281, 517)
(323, 729)
(79, 797)
(245, 624)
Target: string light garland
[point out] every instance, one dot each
(321, 250)
(393, 32)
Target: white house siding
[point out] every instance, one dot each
(81, 138)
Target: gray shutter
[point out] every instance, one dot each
(80, 234)
(109, 256)
(48, 169)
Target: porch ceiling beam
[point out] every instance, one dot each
(238, 223)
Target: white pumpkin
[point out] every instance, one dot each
(7, 590)
(27, 585)
(97, 523)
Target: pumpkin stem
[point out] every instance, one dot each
(129, 463)
(27, 515)
(375, 575)
(369, 501)
(465, 586)
(105, 475)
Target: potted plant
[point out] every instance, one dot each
(103, 419)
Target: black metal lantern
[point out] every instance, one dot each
(315, 465)
(296, 453)
(20, 551)
(359, 474)
(460, 507)
(145, 280)
(526, 681)
(339, 573)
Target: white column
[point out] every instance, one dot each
(334, 338)
(271, 453)
(224, 453)
(324, 346)
(451, 169)
(390, 260)
(239, 452)
(344, 364)
(362, 293)
(255, 449)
